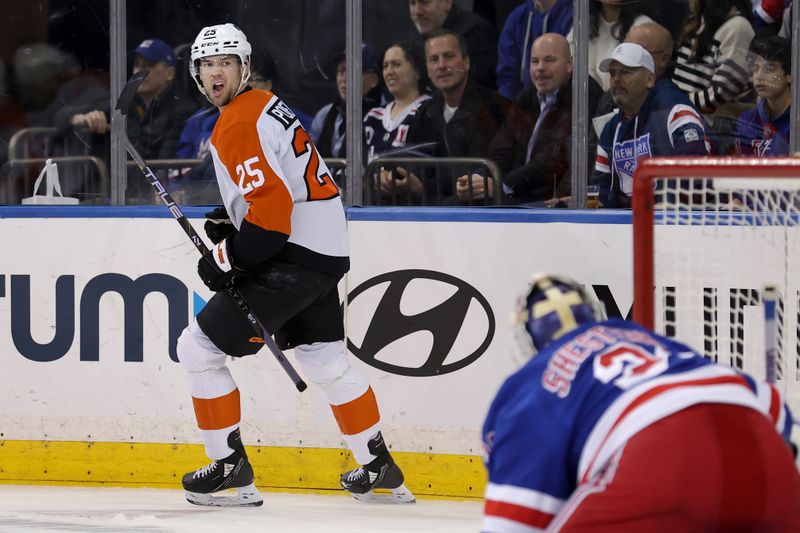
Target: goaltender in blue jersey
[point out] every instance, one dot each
(611, 427)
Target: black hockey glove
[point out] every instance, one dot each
(219, 225)
(216, 267)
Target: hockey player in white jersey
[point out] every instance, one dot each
(611, 427)
(285, 247)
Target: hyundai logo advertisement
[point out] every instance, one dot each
(91, 309)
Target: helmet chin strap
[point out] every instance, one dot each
(245, 77)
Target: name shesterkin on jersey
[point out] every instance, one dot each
(565, 362)
(632, 378)
(626, 357)
(268, 176)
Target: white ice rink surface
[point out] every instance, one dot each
(117, 510)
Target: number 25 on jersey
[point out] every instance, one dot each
(255, 178)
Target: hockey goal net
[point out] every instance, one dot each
(709, 236)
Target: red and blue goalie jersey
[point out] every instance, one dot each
(556, 421)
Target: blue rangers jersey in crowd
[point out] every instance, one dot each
(667, 124)
(556, 421)
(383, 133)
(757, 135)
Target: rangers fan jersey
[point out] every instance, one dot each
(278, 191)
(758, 135)
(667, 125)
(383, 133)
(556, 421)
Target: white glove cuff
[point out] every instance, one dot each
(221, 257)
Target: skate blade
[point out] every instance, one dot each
(400, 495)
(245, 497)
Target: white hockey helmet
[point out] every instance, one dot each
(551, 307)
(221, 39)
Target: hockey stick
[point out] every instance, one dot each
(770, 301)
(119, 127)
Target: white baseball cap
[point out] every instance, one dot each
(630, 55)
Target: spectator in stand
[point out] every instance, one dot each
(48, 79)
(609, 23)
(657, 40)
(388, 128)
(462, 116)
(764, 131)
(648, 124)
(534, 147)
(328, 128)
(158, 112)
(768, 14)
(480, 36)
(525, 24)
(711, 62)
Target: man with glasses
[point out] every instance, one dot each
(648, 123)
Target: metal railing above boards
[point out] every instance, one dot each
(338, 167)
(30, 142)
(82, 174)
(174, 174)
(432, 181)
(19, 176)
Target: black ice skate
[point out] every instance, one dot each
(233, 472)
(381, 473)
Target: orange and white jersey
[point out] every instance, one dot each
(273, 181)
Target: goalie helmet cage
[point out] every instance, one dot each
(709, 235)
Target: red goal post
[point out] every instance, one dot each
(709, 234)
(650, 170)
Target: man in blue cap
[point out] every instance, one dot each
(157, 114)
(159, 58)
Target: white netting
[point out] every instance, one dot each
(717, 244)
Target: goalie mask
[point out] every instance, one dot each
(222, 39)
(552, 307)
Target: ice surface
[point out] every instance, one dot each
(121, 510)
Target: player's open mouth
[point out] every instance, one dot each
(217, 88)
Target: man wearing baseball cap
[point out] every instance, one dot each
(156, 117)
(644, 126)
(159, 58)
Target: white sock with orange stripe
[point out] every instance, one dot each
(217, 418)
(214, 393)
(351, 398)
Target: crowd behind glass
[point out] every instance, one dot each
(464, 102)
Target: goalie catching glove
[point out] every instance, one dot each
(216, 267)
(219, 225)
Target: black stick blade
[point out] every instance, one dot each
(129, 91)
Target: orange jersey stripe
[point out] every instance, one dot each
(358, 415)
(240, 147)
(218, 413)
